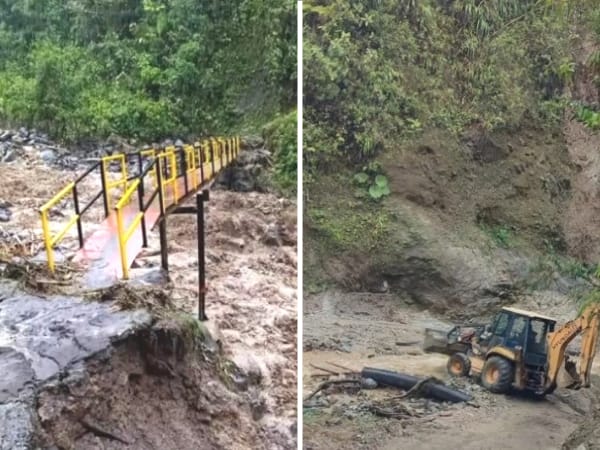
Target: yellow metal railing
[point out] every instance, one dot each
(125, 234)
(221, 142)
(116, 183)
(170, 164)
(192, 168)
(151, 153)
(49, 240)
(202, 161)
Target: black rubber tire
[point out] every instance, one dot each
(502, 383)
(459, 365)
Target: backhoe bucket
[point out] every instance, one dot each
(571, 369)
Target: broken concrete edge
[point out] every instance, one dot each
(45, 341)
(404, 381)
(16, 425)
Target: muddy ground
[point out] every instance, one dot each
(383, 331)
(195, 400)
(251, 281)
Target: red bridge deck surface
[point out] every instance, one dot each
(100, 253)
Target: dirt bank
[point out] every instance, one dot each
(155, 391)
(470, 224)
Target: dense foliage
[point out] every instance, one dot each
(281, 136)
(145, 68)
(381, 70)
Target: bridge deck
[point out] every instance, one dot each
(100, 254)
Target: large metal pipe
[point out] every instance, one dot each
(406, 382)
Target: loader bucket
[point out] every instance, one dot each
(435, 341)
(457, 339)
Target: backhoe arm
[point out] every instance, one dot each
(588, 344)
(587, 324)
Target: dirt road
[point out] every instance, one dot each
(358, 330)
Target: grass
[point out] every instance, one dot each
(501, 235)
(193, 330)
(352, 225)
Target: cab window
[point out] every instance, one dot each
(500, 324)
(516, 336)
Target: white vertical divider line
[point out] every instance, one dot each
(299, 265)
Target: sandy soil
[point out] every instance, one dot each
(379, 331)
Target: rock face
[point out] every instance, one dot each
(39, 339)
(247, 173)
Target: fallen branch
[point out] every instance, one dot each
(326, 384)
(331, 372)
(401, 412)
(339, 366)
(417, 388)
(102, 433)
(407, 344)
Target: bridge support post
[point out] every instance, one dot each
(78, 213)
(162, 221)
(200, 199)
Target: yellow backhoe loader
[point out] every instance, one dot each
(523, 350)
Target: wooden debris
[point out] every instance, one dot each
(339, 366)
(331, 372)
(328, 383)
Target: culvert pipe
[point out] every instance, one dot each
(406, 382)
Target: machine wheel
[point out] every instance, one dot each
(459, 365)
(497, 375)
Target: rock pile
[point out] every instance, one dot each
(248, 172)
(31, 145)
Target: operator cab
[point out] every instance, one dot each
(520, 330)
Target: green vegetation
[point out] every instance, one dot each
(588, 116)
(352, 225)
(544, 272)
(193, 330)
(502, 235)
(373, 180)
(380, 71)
(281, 137)
(589, 298)
(147, 69)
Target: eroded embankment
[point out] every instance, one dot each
(160, 388)
(84, 375)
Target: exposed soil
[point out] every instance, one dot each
(470, 224)
(582, 219)
(152, 393)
